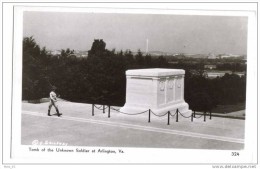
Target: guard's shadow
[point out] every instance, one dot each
(56, 114)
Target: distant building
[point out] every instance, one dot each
(222, 56)
(56, 52)
(81, 54)
(212, 56)
(212, 75)
(210, 67)
(215, 74)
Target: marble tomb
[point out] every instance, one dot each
(157, 89)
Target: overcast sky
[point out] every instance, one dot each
(167, 33)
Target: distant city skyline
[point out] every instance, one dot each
(192, 34)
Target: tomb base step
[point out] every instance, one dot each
(136, 109)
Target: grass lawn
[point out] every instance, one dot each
(228, 108)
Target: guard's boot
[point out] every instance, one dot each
(59, 114)
(49, 114)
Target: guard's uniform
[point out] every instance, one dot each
(53, 102)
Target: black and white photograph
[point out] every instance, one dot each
(118, 82)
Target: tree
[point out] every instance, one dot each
(98, 48)
(200, 101)
(35, 61)
(66, 53)
(101, 77)
(129, 58)
(148, 60)
(232, 89)
(161, 62)
(139, 57)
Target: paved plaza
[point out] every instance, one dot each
(77, 127)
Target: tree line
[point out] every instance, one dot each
(100, 78)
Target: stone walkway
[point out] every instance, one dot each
(78, 127)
